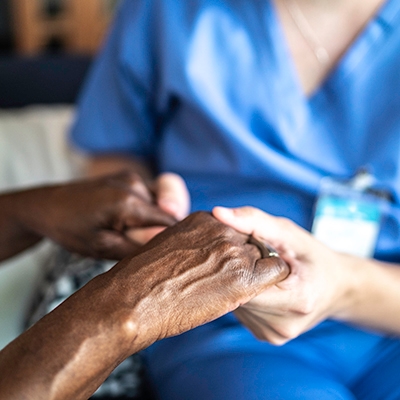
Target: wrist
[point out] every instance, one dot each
(353, 271)
(111, 330)
(90, 335)
(142, 322)
(17, 235)
(129, 303)
(34, 209)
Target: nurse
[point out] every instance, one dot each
(256, 103)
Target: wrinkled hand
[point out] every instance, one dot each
(315, 289)
(192, 273)
(94, 217)
(172, 196)
(189, 274)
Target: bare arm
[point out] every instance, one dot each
(373, 299)
(170, 191)
(188, 275)
(93, 217)
(14, 236)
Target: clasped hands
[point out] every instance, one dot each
(199, 268)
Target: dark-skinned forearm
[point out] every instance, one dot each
(15, 235)
(72, 350)
(188, 275)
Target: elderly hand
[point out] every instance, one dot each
(318, 285)
(188, 275)
(93, 217)
(192, 273)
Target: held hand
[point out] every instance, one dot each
(93, 217)
(316, 288)
(172, 197)
(192, 273)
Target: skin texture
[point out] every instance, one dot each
(170, 191)
(190, 274)
(322, 283)
(96, 218)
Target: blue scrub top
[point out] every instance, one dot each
(208, 89)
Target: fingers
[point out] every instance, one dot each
(268, 272)
(121, 248)
(260, 328)
(147, 215)
(133, 183)
(264, 275)
(265, 249)
(111, 245)
(255, 222)
(140, 209)
(173, 195)
(245, 219)
(287, 237)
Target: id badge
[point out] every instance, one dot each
(348, 216)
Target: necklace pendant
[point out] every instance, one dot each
(306, 31)
(322, 55)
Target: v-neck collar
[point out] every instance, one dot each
(377, 28)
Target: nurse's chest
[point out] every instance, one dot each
(318, 33)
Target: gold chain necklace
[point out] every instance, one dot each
(303, 26)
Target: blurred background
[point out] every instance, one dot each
(30, 27)
(46, 49)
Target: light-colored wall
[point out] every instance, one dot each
(33, 151)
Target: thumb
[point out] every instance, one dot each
(173, 195)
(149, 215)
(248, 220)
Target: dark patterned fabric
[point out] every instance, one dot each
(66, 273)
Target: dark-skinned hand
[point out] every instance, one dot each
(195, 272)
(92, 217)
(190, 274)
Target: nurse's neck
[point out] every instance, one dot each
(319, 32)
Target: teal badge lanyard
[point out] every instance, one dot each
(348, 214)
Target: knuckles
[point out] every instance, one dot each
(230, 251)
(103, 245)
(230, 258)
(127, 177)
(199, 218)
(130, 188)
(207, 224)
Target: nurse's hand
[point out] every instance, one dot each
(317, 287)
(171, 196)
(190, 274)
